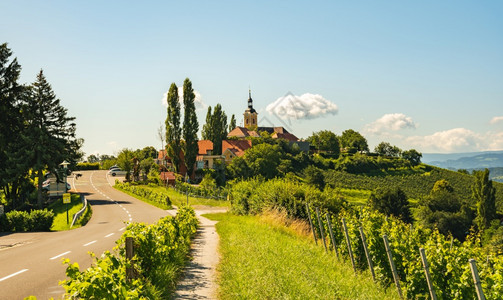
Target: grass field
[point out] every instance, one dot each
(261, 259)
(59, 209)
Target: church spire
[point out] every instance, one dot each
(250, 101)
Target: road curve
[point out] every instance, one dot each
(30, 263)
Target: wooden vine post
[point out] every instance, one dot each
(369, 259)
(426, 267)
(130, 271)
(392, 264)
(349, 243)
(311, 224)
(321, 228)
(476, 279)
(331, 234)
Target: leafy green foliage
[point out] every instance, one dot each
(386, 149)
(215, 128)
(391, 202)
(351, 139)
(160, 199)
(87, 166)
(160, 253)
(326, 141)
(20, 221)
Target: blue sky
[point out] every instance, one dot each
(418, 74)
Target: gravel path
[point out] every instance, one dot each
(199, 280)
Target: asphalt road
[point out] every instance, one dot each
(30, 263)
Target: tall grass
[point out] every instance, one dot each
(263, 259)
(59, 209)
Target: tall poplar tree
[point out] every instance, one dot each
(232, 123)
(484, 194)
(173, 130)
(207, 132)
(219, 127)
(50, 132)
(190, 126)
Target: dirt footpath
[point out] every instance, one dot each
(199, 280)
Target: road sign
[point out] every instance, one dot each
(67, 198)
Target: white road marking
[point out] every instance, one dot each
(109, 235)
(90, 243)
(13, 274)
(52, 258)
(130, 219)
(122, 228)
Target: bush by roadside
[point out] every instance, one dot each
(22, 221)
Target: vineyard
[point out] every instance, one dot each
(416, 185)
(448, 258)
(160, 252)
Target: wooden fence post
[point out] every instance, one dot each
(476, 279)
(130, 271)
(332, 234)
(426, 267)
(349, 243)
(321, 228)
(393, 268)
(311, 223)
(369, 260)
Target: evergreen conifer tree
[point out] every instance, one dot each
(485, 196)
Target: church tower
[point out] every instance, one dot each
(250, 114)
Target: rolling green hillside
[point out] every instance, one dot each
(416, 183)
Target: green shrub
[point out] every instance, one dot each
(41, 220)
(87, 166)
(18, 221)
(21, 221)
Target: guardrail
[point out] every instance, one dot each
(80, 212)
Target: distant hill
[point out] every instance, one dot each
(474, 160)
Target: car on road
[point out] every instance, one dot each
(117, 171)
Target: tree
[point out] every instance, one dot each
(484, 195)
(215, 128)
(391, 202)
(264, 160)
(50, 132)
(190, 126)
(325, 140)
(13, 168)
(93, 158)
(125, 161)
(314, 176)
(413, 156)
(173, 130)
(386, 149)
(147, 152)
(442, 209)
(145, 165)
(207, 132)
(351, 139)
(161, 134)
(232, 124)
(219, 125)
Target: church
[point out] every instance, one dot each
(251, 128)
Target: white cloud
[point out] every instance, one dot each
(496, 120)
(198, 101)
(453, 140)
(306, 106)
(390, 122)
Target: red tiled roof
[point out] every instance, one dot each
(286, 136)
(238, 147)
(162, 154)
(204, 146)
(167, 176)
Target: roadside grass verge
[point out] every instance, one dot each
(176, 198)
(262, 259)
(59, 209)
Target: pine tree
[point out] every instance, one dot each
(173, 130)
(50, 132)
(13, 168)
(190, 126)
(485, 196)
(232, 124)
